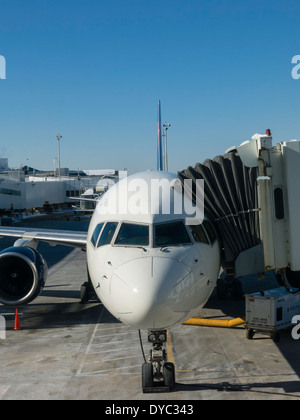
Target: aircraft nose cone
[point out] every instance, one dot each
(152, 292)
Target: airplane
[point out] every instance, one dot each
(149, 268)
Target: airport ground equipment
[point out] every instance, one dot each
(252, 196)
(222, 323)
(271, 311)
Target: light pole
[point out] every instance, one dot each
(166, 128)
(54, 164)
(59, 137)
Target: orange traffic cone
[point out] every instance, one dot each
(17, 321)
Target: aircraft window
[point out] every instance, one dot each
(107, 234)
(173, 233)
(96, 234)
(210, 231)
(130, 234)
(199, 234)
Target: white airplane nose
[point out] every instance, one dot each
(153, 292)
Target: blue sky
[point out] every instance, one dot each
(94, 71)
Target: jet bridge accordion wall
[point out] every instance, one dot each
(231, 202)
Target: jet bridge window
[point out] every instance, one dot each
(133, 235)
(173, 233)
(107, 234)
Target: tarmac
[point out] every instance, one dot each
(66, 350)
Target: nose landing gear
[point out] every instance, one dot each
(158, 375)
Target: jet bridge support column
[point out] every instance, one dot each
(279, 203)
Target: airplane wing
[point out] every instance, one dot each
(70, 238)
(91, 200)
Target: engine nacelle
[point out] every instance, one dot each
(23, 275)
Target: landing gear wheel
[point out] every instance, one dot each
(87, 291)
(84, 293)
(169, 375)
(158, 375)
(147, 375)
(275, 337)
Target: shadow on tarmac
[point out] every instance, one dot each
(289, 348)
(289, 388)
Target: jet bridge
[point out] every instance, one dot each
(252, 196)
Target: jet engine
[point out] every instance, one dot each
(23, 274)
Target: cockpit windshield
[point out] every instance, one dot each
(133, 235)
(173, 233)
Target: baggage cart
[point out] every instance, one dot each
(271, 311)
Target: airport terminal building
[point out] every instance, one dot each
(27, 188)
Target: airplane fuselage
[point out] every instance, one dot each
(141, 277)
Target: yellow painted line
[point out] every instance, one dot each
(169, 348)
